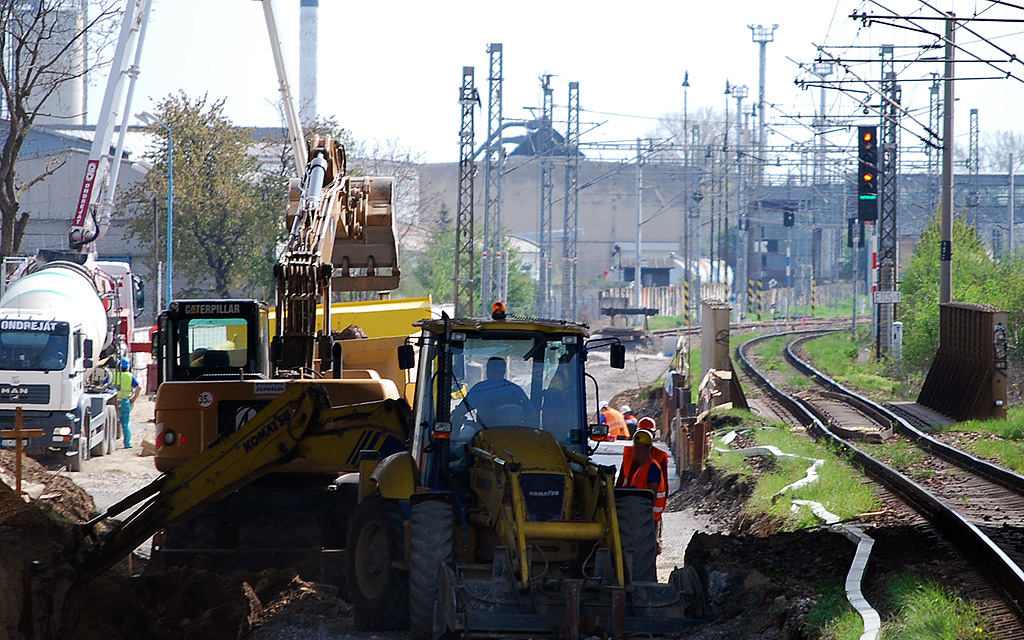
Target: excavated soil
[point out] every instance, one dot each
(176, 603)
(762, 583)
(190, 603)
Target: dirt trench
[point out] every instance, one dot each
(174, 603)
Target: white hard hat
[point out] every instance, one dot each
(604, 404)
(625, 408)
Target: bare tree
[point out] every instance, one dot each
(996, 148)
(43, 46)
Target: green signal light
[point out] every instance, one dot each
(868, 197)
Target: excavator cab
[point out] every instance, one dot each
(211, 340)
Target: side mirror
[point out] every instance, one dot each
(618, 356)
(87, 347)
(598, 431)
(139, 288)
(406, 357)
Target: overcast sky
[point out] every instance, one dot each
(391, 70)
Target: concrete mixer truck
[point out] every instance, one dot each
(58, 323)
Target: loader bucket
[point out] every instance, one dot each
(365, 255)
(480, 604)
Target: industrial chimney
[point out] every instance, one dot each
(307, 59)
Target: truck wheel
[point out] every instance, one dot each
(377, 585)
(431, 547)
(638, 531)
(110, 426)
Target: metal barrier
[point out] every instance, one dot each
(967, 378)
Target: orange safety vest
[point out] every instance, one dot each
(639, 478)
(616, 423)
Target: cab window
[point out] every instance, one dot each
(213, 343)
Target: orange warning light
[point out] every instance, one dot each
(868, 177)
(867, 137)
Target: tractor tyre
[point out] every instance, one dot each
(639, 532)
(431, 546)
(378, 585)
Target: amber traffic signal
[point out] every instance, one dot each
(867, 175)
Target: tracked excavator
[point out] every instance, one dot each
(219, 365)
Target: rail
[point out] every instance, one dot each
(1005, 574)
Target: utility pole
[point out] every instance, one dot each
(934, 159)
(571, 225)
(494, 278)
(887, 223)
(544, 306)
(762, 36)
(697, 196)
(637, 278)
(973, 160)
(946, 222)
(822, 70)
(468, 99)
(687, 208)
(1011, 206)
(740, 280)
(725, 195)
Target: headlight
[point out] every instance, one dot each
(168, 437)
(63, 431)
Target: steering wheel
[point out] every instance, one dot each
(511, 411)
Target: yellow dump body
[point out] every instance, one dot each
(378, 318)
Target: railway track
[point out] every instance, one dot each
(974, 504)
(803, 323)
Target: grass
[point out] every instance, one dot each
(924, 610)
(660, 323)
(1003, 440)
(839, 487)
(836, 355)
(770, 352)
(898, 453)
(918, 609)
(832, 615)
(1012, 428)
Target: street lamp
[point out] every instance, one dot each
(152, 120)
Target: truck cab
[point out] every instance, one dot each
(46, 360)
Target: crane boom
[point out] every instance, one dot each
(87, 225)
(290, 112)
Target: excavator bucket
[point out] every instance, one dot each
(482, 604)
(365, 255)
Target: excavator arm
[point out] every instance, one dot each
(341, 237)
(276, 435)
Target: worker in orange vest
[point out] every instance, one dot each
(630, 417)
(660, 456)
(645, 467)
(617, 429)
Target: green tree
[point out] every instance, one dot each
(434, 270)
(228, 212)
(976, 278)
